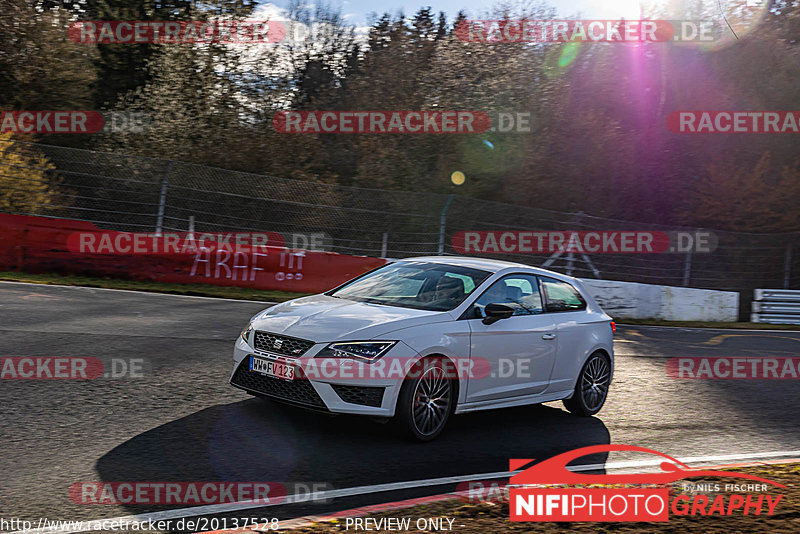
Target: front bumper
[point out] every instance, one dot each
(337, 386)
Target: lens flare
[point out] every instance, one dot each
(560, 59)
(568, 54)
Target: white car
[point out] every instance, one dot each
(423, 338)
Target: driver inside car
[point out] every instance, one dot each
(449, 292)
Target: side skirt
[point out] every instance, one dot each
(515, 401)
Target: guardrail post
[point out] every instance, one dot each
(162, 199)
(385, 245)
(442, 222)
(787, 266)
(687, 269)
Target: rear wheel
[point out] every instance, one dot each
(425, 400)
(591, 389)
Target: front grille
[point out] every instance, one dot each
(363, 395)
(284, 345)
(296, 391)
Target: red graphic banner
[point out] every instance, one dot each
(43, 245)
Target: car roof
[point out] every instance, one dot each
(486, 264)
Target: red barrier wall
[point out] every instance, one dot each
(40, 245)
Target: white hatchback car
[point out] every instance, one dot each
(423, 338)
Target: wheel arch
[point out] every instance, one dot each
(456, 383)
(597, 349)
(607, 354)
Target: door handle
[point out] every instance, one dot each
(549, 336)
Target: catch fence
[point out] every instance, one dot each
(139, 194)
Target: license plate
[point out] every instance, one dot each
(271, 368)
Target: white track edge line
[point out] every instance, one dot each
(145, 292)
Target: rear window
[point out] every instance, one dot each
(561, 296)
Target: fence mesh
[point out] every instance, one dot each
(124, 193)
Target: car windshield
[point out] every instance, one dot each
(420, 285)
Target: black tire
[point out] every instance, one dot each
(426, 400)
(591, 388)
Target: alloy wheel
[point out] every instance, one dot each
(431, 401)
(595, 380)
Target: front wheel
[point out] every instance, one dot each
(425, 401)
(591, 388)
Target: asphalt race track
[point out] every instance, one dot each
(182, 421)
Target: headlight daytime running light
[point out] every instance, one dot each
(365, 351)
(246, 333)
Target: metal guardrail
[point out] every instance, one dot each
(776, 306)
(778, 295)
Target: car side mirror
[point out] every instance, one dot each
(495, 312)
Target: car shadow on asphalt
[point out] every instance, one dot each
(259, 440)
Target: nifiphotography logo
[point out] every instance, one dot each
(548, 491)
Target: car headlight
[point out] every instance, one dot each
(246, 333)
(365, 351)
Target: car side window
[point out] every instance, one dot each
(561, 296)
(518, 291)
(469, 283)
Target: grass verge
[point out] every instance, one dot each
(198, 290)
(493, 517)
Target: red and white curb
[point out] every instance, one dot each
(309, 520)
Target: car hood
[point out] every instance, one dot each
(321, 318)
